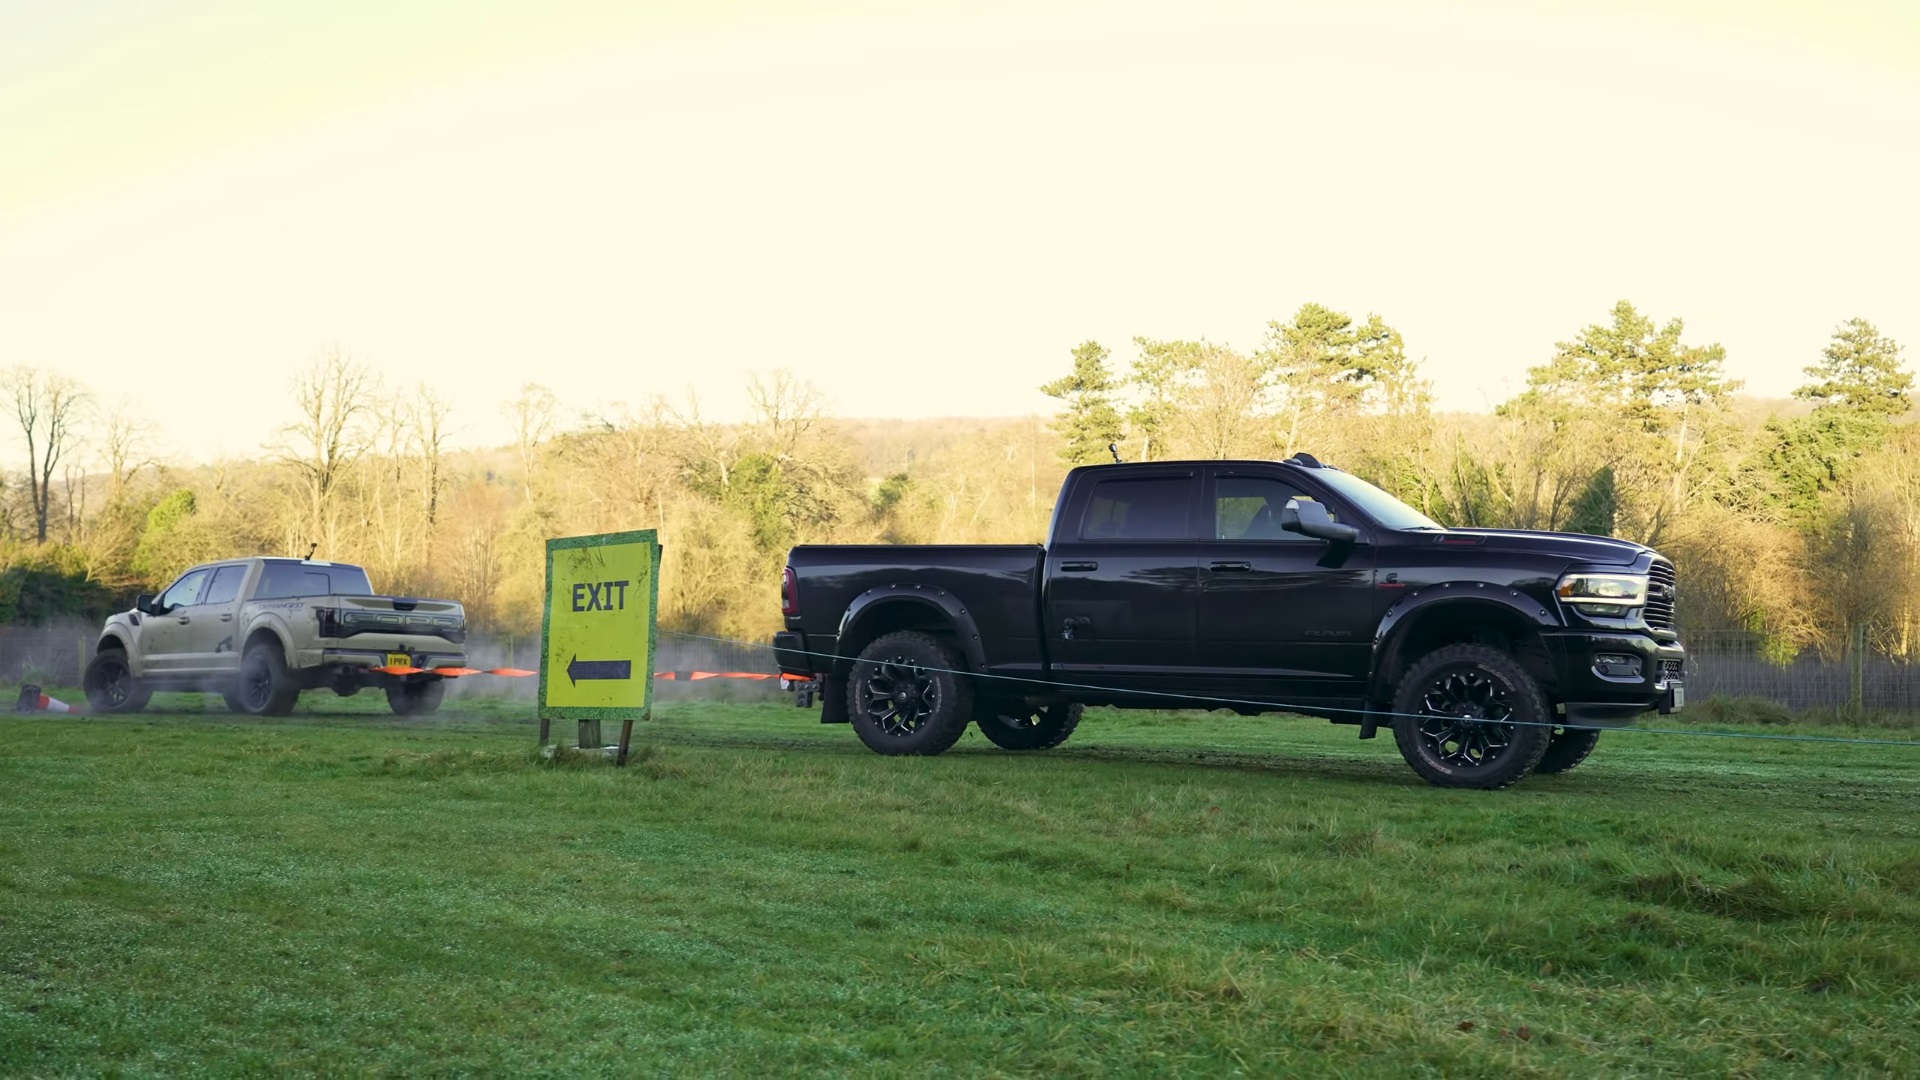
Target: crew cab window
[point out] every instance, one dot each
(185, 592)
(1144, 508)
(1248, 508)
(282, 580)
(225, 586)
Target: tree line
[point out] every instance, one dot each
(1792, 523)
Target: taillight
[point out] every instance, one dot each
(789, 593)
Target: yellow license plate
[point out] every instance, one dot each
(399, 659)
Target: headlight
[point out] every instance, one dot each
(1603, 594)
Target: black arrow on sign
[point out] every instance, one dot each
(578, 669)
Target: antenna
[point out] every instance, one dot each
(1114, 449)
(315, 546)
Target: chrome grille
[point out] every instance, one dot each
(1660, 593)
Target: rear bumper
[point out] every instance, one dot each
(797, 654)
(372, 658)
(1598, 690)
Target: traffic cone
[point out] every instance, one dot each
(32, 700)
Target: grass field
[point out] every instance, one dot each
(186, 891)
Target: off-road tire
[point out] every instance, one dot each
(1442, 685)
(906, 696)
(416, 699)
(234, 704)
(1570, 747)
(1010, 725)
(266, 687)
(110, 686)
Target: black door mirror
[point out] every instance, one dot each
(1309, 518)
(144, 604)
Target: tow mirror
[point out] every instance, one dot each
(144, 604)
(1309, 518)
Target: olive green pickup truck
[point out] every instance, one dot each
(259, 631)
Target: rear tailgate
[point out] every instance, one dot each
(391, 623)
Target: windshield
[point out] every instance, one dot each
(1377, 504)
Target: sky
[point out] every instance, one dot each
(922, 207)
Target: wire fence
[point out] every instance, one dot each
(1722, 665)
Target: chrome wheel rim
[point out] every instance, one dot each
(900, 695)
(1463, 714)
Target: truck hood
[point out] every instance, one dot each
(1575, 546)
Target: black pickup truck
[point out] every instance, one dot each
(1257, 586)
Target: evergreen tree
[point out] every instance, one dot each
(1859, 372)
(1091, 420)
(1594, 509)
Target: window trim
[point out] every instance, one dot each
(1317, 492)
(1084, 503)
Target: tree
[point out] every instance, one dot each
(1326, 368)
(532, 416)
(1091, 420)
(1593, 510)
(1859, 372)
(335, 396)
(48, 409)
(1201, 399)
(1642, 374)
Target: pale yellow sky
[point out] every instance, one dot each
(923, 208)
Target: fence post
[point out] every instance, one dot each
(1857, 669)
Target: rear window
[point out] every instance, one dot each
(1146, 508)
(280, 580)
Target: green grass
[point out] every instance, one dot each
(339, 891)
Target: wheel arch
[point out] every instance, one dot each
(1433, 619)
(265, 631)
(925, 608)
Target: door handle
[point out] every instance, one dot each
(1078, 567)
(226, 618)
(184, 620)
(1231, 567)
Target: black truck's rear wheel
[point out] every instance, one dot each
(1570, 747)
(1011, 725)
(1470, 716)
(906, 695)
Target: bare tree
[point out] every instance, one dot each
(126, 446)
(49, 408)
(785, 408)
(335, 397)
(532, 416)
(427, 423)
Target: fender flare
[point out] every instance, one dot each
(120, 640)
(930, 597)
(272, 624)
(1452, 594)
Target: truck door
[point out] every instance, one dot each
(1278, 611)
(209, 640)
(164, 646)
(1121, 583)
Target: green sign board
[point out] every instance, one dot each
(596, 659)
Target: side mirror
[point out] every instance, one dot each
(144, 604)
(1310, 518)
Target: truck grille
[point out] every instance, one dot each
(1660, 593)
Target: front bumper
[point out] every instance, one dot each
(1599, 692)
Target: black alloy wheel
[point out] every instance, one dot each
(906, 695)
(110, 686)
(1471, 716)
(1015, 725)
(1570, 747)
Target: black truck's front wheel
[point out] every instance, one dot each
(1013, 725)
(906, 695)
(1470, 716)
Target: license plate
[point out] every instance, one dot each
(399, 659)
(1676, 696)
